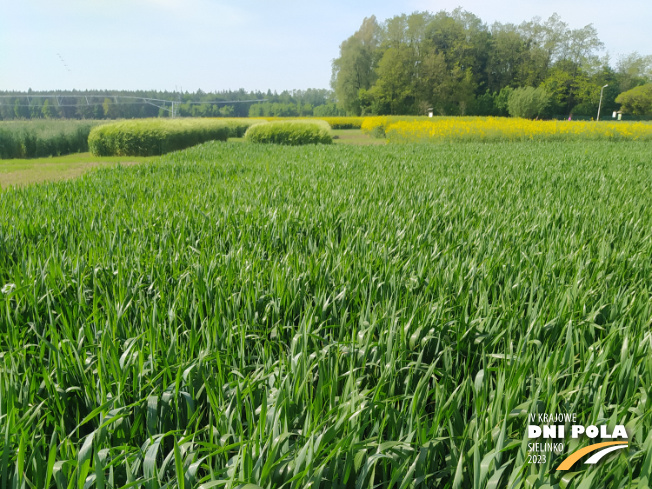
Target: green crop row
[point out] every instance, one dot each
(36, 139)
(147, 137)
(291, 132)
(248, 315)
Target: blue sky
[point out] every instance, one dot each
(219, 45)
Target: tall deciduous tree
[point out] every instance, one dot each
(354, 69)
(48, 110)
(633, 70)
(394, 88)
(528, 102)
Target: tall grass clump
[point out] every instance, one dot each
(292, 132)
(261, 316)
(147, 137)
(35, 139)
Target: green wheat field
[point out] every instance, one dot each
(243, 316)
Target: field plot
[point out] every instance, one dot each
(327, 316)
(491, 129)
(35, 139)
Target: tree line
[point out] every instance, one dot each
(124, 104)
(454, 64)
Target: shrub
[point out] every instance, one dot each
(528, 102)
(147, 137)
(375, 126)
(343, 122)
(290, 132)
(637, 101)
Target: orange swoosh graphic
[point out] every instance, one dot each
(575, 456)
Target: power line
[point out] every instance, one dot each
(142, 100)
(161, 104)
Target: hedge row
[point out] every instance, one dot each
(333, 122)
(43, 138)
(290, 132)
(148, 137)
(344, 122)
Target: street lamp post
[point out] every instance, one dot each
(600, 104)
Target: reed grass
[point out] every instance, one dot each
(36, 139)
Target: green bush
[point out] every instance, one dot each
(344, 122)
(290, 132)
(637, 101)
(148, 137)
(528, 102)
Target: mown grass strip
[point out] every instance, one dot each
(20, 172)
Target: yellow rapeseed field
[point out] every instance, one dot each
(510, 129)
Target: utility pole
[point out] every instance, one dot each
(600, 104)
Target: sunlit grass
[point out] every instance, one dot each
(26, 171)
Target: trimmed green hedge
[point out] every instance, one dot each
(290, 132)
(148, 137)
(344, 122)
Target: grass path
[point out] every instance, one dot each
(19, 172)
(355, 136)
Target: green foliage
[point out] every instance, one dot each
(634, 70)
(328, 316)
(354, 69)
(528, 102)
(128, 104)
(328, 110)
(34, 139)
(276, 109)
(343, 122)
(48, 110)
(290, 133)
(454, 63)
(227, 111)
(393, 88)
(637, 101)
(147, 137)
